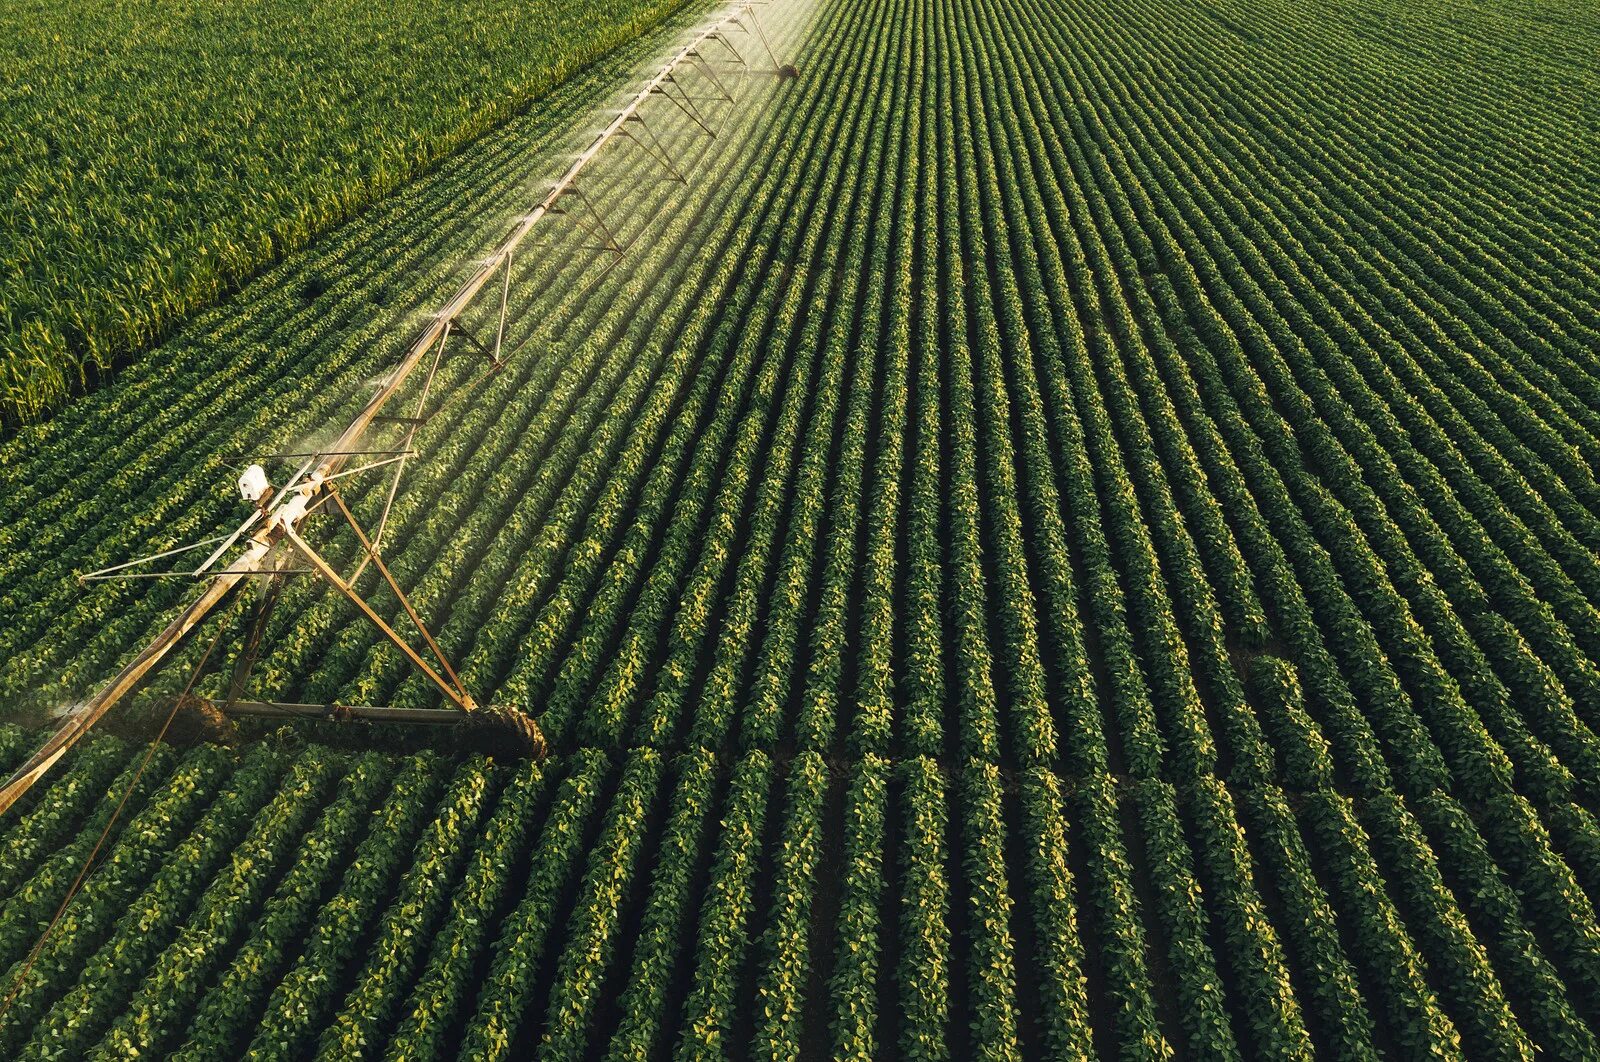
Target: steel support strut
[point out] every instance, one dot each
(365, 712)
(252, 646)
(465, 699)
(457, 696)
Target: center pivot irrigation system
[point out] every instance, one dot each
(271, 544)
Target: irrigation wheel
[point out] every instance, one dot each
(198, 720)
(503, 734)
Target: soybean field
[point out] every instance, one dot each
(1074, 533)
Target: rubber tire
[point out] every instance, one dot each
(200, 721)
(502, 734)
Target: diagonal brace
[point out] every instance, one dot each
(377, 560)
(457, 696)
(252, 646)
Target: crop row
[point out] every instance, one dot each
(948, 913)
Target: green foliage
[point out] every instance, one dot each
(781, 985)
(444, 986)
(1072, 534)
(177, 977)
(410, 918)
(501, 1001)
(925, 926)
(658, 942)
(224, 1014)
(853, 986)
(166, 153)
(595, 925)
(725, 915)
(301, 1002)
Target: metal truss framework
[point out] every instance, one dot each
(271, 543)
